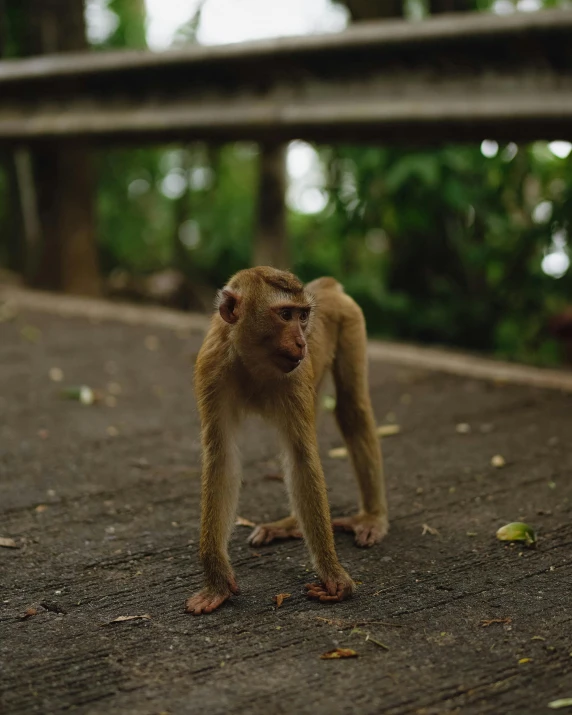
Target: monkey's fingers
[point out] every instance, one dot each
(332, 592)
(205, 602)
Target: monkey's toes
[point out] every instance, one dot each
(265, 534)
(206, 601)
(330, 591)
(368, 530)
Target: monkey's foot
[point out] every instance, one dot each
(207, 600)
(331, 590)
(368, 529)
(265, 534)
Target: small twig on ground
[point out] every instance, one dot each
(490, 621)
(339, 623)
(378, 643)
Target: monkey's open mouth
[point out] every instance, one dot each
(288, 362)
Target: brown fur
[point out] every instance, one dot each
(244, 366)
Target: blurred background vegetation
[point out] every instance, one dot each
(459, 245)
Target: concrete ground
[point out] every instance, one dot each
(102, 502)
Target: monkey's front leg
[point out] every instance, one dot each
(307, 485)
(220, 488)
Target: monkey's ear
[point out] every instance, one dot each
(227, 306)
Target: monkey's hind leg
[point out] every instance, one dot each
(286, 528)
(356, 421)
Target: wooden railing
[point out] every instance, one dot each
(449, 78)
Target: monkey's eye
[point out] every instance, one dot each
(286, 314)
(304, 315)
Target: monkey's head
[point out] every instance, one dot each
(270, 316)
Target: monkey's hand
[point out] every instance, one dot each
(335, 589)
(368, 529)
(209, 599)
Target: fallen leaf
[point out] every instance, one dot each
(562, 703)
(8, 543)
(240, 521)
(338, 453)
(517, 531)
(429, 530)
(41, 508)
(387, 430)
(152, 342)
(7, 312)
(280, 598)
(490, 621)
(122, 619)
(29, 613)
(31, 333)
(339, 653)
(140, 463)
(522, 661)
(498, 461)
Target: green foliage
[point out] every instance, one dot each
(130, 31)
(441, 246)
(437, 245)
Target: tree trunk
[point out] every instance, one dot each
(11, 239)
(271, 240)
(64, 185)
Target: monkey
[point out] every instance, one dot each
(270, 343)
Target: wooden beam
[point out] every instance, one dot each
(458, 77)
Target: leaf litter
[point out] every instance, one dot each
(8, 543)
(123, 619)
(338, 653)
(280, 598)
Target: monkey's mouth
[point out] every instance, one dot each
(288, 362)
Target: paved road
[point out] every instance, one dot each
(103, 502)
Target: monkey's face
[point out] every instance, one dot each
(289, 325)
(269, 314)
